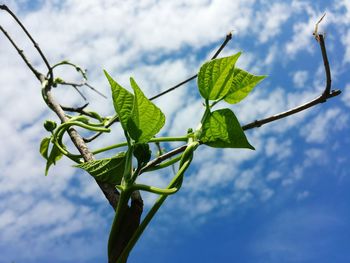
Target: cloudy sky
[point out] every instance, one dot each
(285, 202)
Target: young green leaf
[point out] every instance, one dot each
(242, 84)
(215, 77)
(122, 101)
(221, 129)
(146, 119)
(54, 156)
(109, 170)
(44, 147)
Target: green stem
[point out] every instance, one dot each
(58, 135)
(119, 214)
(170, 139)
(118, 145)
(154, 190)
(111, 147)
(185, 162)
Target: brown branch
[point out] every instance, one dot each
(36, 45)
(84, 83)
(37, 74)
(227, 39)
(163, 157)
(326, 94)
(79, 110)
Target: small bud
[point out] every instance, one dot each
(50, 126)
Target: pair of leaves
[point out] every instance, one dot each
(218, 79)
(108, 170)
(139, 117)
(51, 158)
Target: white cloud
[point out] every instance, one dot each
(302, 195)
(317, 129)
(345, 40)
(299, 78)
(272, 20)
(280, 150)
(346, 95)
(273, 176)
(157, 43)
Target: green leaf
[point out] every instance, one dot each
(142, 153)
(109, 170)
(122, 101)
(221, 129)
(54, 156)
(44, 147)
(242, 84)
(215, 77)
(146, 119)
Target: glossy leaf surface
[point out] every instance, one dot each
(221, 129)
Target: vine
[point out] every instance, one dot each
(218, 81)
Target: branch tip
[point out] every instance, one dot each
(315, 33)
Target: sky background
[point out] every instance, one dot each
(288, 201)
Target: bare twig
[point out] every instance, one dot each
(315, 33)
(163, 157)
(5, 8)
(79, 92)
(97, 91)
(79, 110)
(37, 74)
(227, 39)
(327, 94)
(84, 83)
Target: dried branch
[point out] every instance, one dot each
(37, 74)
(327, 94)
(227, 39)
(79, 110)
(84, 83)
(163, 157)
(5, 8)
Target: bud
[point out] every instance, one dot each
(50, 126)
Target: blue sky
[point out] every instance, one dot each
(285, 202)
